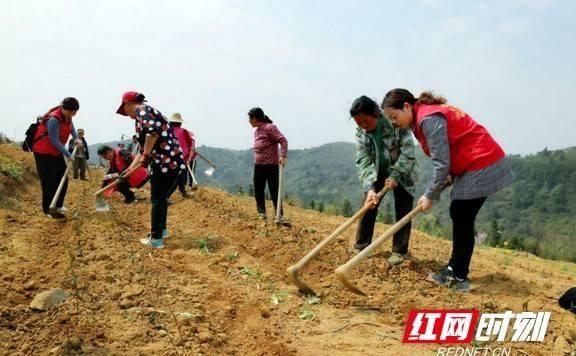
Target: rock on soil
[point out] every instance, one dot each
(48, 299)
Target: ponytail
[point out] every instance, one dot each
(429, 98)
(258, 115)
(396, 98)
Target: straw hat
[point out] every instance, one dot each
(176, 117)
(80, 131)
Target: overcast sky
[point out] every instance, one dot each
(511, 64)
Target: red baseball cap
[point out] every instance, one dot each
(130, 97)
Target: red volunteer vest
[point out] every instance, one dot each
(471, 146)
(44, 145)
(137, 178)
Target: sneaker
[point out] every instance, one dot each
(62, 209)
(154, 243)
(445, 278)
(165, 234)
(262, 216)
(461, 285)
(396, 259)
(282, 221)
(185, 195)
(56, 215)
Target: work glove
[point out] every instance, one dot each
(112, 176)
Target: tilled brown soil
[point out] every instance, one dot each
(220, 287)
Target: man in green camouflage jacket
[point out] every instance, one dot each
(385, 157)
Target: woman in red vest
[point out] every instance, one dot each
(49, 152)
(119, 160)
(463, 153)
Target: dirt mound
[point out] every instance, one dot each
(17, 170)
(220, 288)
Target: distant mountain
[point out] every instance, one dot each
(536, 213)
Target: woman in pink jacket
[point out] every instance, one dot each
(267, 137)
(188, 146)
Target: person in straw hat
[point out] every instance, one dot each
(82, 155)
(188, 145)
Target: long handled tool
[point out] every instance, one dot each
(210, 170)
(342, 271)
(194, 182)
(101, 204)
(87, 166)
(279, 219)
(62, 181)
(293, 271)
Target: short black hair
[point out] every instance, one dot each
(104, 149)
(364, 105)
(70, 103)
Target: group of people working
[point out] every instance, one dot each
(464, 156)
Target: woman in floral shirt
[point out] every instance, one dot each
(161, 153)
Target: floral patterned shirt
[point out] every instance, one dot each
(166, 156)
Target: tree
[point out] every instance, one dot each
(240, 189)
(347, 208)
(495, 236)
(516, 244)
(557, 199)
(312, 204)
(321, 207)
(251, 190)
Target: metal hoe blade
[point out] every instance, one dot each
(342, 271)
(294, 270)
(209, 171)
(101, 204)
(344, 279)
(295, 279)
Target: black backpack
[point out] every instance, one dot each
(29, 141)
(568, 300)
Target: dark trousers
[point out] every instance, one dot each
(403, 203)
(51, 170)
(266, 173)
(180, 184)
(161, 184)
(79, 167)
(463, 214)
